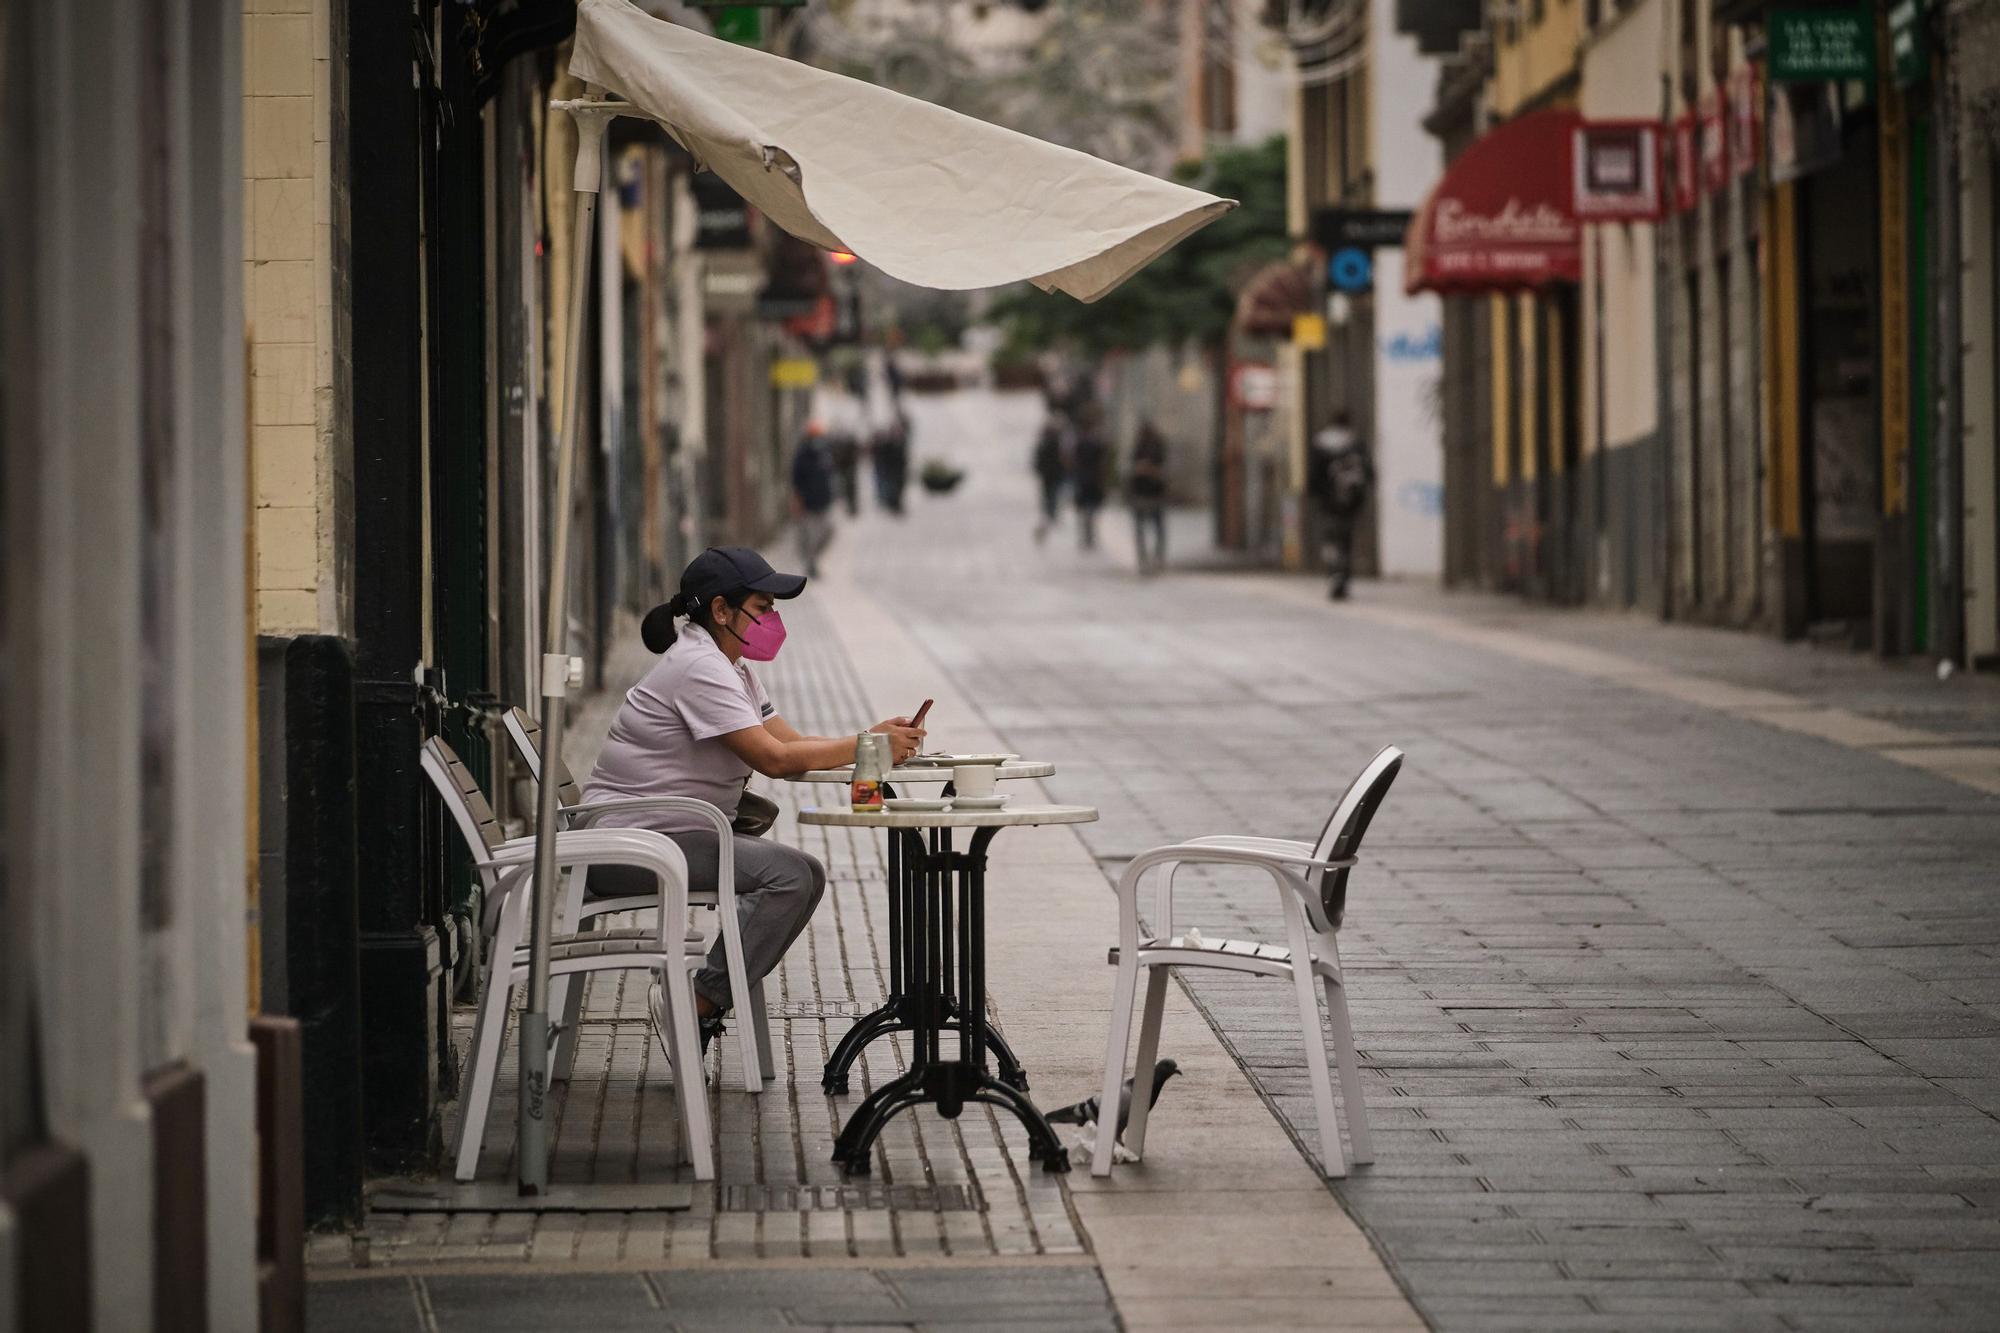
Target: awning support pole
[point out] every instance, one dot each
(532, 1147)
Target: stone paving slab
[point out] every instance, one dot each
(1633, 885)
(966, 1299)
(1800, 677)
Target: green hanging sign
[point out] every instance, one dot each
(1909, 52)
(742, 23)
(1822, 45)
(739, 23)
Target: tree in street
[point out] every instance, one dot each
(1188, 295)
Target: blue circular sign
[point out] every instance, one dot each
(1351, 269)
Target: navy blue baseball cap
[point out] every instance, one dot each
(721, 570)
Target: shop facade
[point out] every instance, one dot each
(1734, 409)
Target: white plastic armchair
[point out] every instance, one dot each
(1311, 880)
(507, 868)
(575, 908)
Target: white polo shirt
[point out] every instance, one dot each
(665, 740)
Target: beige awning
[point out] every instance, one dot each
(922, 193)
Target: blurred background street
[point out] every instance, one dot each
(1675, 964)
(1593, 399)
(1677, 977)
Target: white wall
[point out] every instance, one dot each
(1263, 76)
(136, 219)
(1621, 81)
(85, 824)
(1409, 330)
(216, 688)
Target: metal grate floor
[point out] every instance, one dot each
(846, 1198)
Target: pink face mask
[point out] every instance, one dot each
(766, 636)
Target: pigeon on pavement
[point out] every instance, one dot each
(1085, 1111)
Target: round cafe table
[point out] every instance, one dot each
(943, 975)
(896, 1012)
(1013, 768)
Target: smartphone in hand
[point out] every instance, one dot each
(918, 720)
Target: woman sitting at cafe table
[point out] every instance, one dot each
(698, 724)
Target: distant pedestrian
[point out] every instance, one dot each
(812, 496)
(1051, 469)
(891, 455)
(1341, 481)
(845, 452)
(1146, 492)
(1090, 460)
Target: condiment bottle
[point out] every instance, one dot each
(871, 769)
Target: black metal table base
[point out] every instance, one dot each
(937, 908)
(949, 1085)
(894, 1016)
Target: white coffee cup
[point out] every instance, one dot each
(974, 779)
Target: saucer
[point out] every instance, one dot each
(915, 803)
(954, 760)
(978, 802)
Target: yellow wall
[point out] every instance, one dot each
(288, 291)
(1558, 391)
(1527, 333)
(1534, 56)
(1534, 53)
(1503, 408)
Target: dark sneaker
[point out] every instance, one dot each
(656, 1003)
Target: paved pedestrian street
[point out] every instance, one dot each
(1676, 958)
(953, 1228)
(781, 1237)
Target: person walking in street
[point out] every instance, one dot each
(699, 724)
(845, 451)
(1146, 492)
(891, 456)
(1341, 480)
(1090, 460)
(812, 496)
(1051, 469)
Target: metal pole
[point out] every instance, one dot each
(532, 1156)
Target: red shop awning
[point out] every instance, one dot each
(1272, 298)
(1503, 218)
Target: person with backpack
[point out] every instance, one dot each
(1341, 479)
(812, 496)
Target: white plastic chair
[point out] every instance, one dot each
(1312, 889)
(507, 867)
(753, 1036)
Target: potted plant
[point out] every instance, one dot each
(939, 477)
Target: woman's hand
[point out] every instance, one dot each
(904, 739)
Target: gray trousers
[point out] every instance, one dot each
(777, 888)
